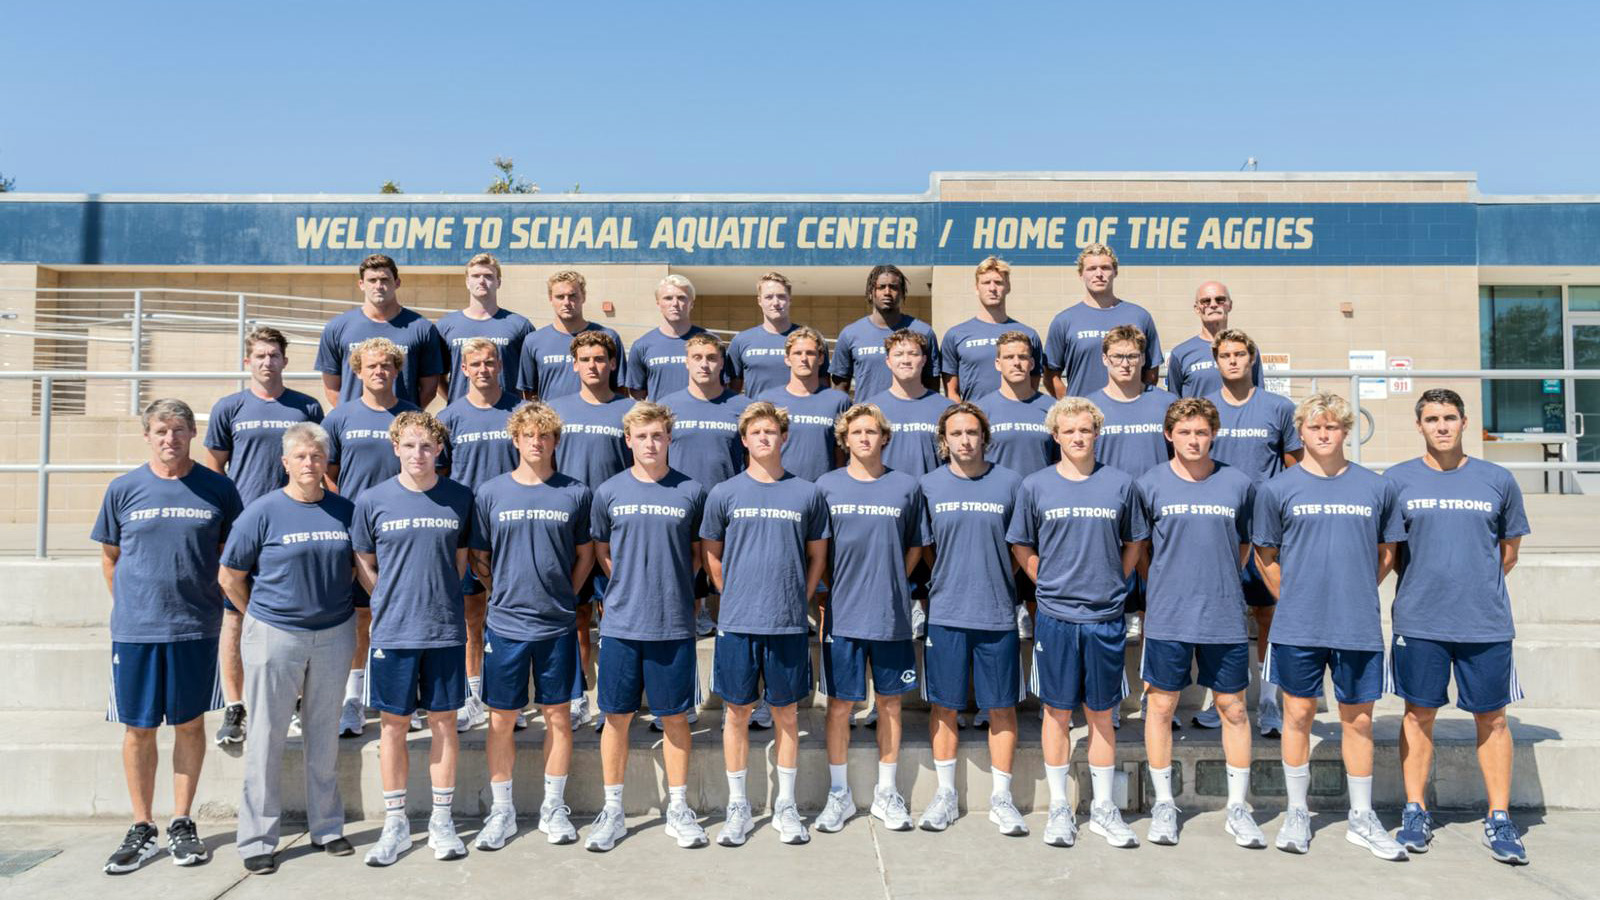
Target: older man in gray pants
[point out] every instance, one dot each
(288, 566)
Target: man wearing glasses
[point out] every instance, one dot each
(1191, 369)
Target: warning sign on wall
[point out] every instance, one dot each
(1275, 362)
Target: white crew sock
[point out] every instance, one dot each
(394, 804)
(355, 685)
(555, 790)
(475, 686)
(836, 778)
(677, 796)
(886, 773)
(1056, 777)
(443, 797)
(614, 797)
(500, 791)
(1103, 779)
(736, 786)
(1297, 781)
(1360, 788)
(786, 785)
(1002, 783)
(1162, 779)
(1238, 785)
(946, 770)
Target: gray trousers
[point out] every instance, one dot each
(279, 666)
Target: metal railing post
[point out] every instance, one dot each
(135, 391)
(41, 543)
(243, 350)
(1355, 407)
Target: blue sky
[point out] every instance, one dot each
(816, 97)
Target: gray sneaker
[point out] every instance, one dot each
(837, 811)
(352, 719)
(1106, 820)
(608, 828)
(1243, 827)
(556, 823)
(736, 824)
(1024, 623)
(497, 828)
(1294, 835)
(471, 714)
(443, 839)
(232, 729)
(578, 710)
(1163, 824)
(1364, 830)
(761, 716)
(1061, 828)
(684, 827)
(942, 811)
(786, 821)
(1003, 813)
(919, 621)
(1207, 718)
(1269, 717)
(395, 840)
(890, 808)
(703, 625)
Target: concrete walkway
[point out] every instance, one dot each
(863, 861)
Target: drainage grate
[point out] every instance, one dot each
(13, 863)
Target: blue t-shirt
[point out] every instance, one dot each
(545, 366)
(969, 350)
(418, 340)
(764, 528)
(756, 355)
(705, 436)
(1072, 345)
(592, 448)
(250, 430)
(1078, 529)
(1327, 531)
(1018, 439)
(416, 603)
(972, 584)
(874, 523)
(170, 532)
(506, 329)
(858, 354)
(1192, 370)
(360, 446)
(479, 447)
(532, 533)
(652, 527)
(1195, 529)
(1132, 438)
(914, 446)
(299, 557)
(811, 449)
(1451, 586)
(658, 364)
(1256, 434)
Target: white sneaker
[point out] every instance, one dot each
(1269, 717)
(942, 811)
(692, 716)
(1003, 813)
(736, 825)
(1135, 628)
(521, 724)
(556, 823)
(1061, 828)
(497, 828)
(890, 808)
(1024, 623)
(761, 716)
(608, 828)
(919, 621)
(837, 811)
(1294, 835)
(786, 821)
(1243, 827)
(443, 839)
(1106, 820)
(471, 714)
(1163, 824)
(871, 718)
(1364, 830)
(419, 721)
(579, 711)
(703, 626)
(1208, 717)
(352, 718)
(395, 840)
(684, 827)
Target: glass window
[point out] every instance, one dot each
(1583, 299)
(1520, 328)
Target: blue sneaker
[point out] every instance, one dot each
(1416, 828)
(1501, 837)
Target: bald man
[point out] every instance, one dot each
(1191, 369)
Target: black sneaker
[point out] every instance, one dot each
(183, 842)
(264, 864)
(138, 845)
(335, 847)
(232, 730)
